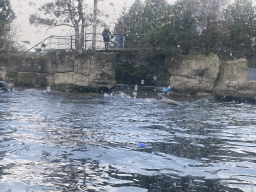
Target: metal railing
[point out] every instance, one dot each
(68, 42)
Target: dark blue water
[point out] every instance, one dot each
(54, 142)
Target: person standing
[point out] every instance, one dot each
(120, 31)
(106, 33)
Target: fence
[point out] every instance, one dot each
(131, 41)
(68, 42)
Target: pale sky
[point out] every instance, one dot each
(24, 8)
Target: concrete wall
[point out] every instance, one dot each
(62, 70)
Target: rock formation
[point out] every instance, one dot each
(233, 80)
(195, 73)
(62, 70)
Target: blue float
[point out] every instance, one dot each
(167, 89)
(141, 145)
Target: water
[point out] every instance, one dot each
(53, 142)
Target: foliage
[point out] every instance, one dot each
(210, 24)
(134, 17)
(243, 29)
(6, 17)
(165, 40)
(132, 75)
(179, 34)
(142, 18)
(72, 13)
(154, 14)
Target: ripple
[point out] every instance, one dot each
(61, 143)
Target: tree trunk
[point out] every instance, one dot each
(82, 34)
(77, 44)
(85, 38)
(94, 25)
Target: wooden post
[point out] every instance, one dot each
(94, 25)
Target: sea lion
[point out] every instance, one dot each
(169, 101)
(162, 99)
(4, 86)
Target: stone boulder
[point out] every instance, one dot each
(194, 73)
(233, 80)
(102, 71)
(86, 71)
(26, 64)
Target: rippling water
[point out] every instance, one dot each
(52, 142)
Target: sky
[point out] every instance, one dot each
(29, 33)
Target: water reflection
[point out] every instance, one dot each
(84, 143)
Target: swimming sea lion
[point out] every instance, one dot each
(162, 99)
(4, 86)
(169, 101)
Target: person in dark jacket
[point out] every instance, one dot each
(106, 33)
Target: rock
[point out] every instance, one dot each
(209, 96)
(64, 61)
(102, 72)
(41, 79)
(92, 71)
(12, 76)
(26, 79)
(195, 73)
(233, 80)
(50, 80)
(244, 89)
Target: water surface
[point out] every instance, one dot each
(114, 142)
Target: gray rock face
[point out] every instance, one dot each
(81, 71)
(95, 71)
(199, 74)
(63, 70)
(195, 73)
(233, 80)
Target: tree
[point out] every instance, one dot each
(6, 17)
(214, 23)
(133, 18)
(191, 23)
(154, 14)
(243, 29)
(72, 13)
(143, 18)
(12, 38)
(164, 40)
(180, 32)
